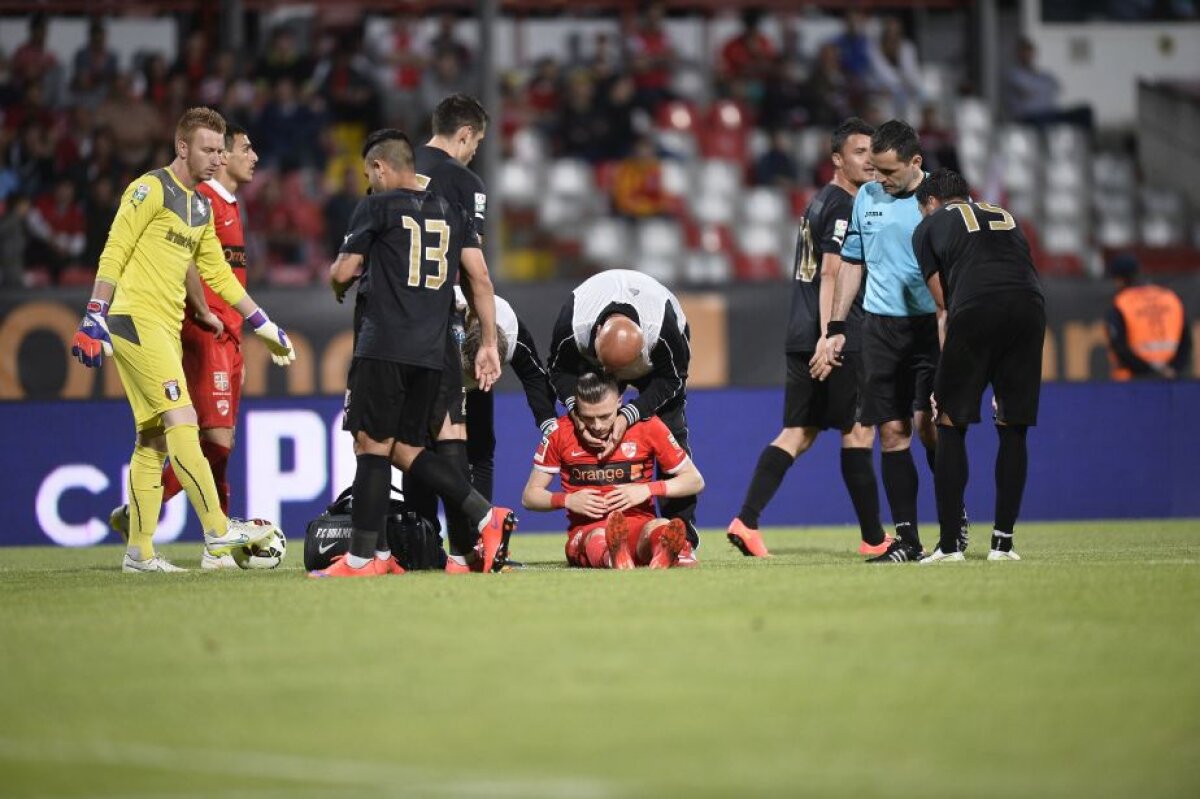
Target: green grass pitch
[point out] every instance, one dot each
(1072, 673)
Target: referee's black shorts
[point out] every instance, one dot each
(388, 400)
(829, 404)
(999, 342)
(899, 358)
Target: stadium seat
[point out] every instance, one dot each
(659, 238)
(676, 115)
(1064, 204)
(1059, 237)
(719, 176)
(1020, 143)
(714, 208)
(1065, 174)
(707, 267)
(1066, 142)
(763, 206)
(662, 268)
(812, 147)
(569, 177)
(606, 242)
(77, 276)
(528, 146)
(708, 238)
(676, 178)
(757, 267)
(1116, 232)
(1159, 230)
(519, 184)
(676, 143)
(756, 239)
(972, 115)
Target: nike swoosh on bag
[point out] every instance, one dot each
(323, 548)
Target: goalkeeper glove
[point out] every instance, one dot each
(282, 352)
(92, 342)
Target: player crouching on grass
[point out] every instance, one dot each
(609, 498)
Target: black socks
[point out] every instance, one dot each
(858, 473)
(950, 482)
(773, 464)
(1012, 465)
(368, 511)
(900, 484)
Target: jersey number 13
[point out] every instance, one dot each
(436, 253)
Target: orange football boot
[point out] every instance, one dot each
(747, 540)
(499, 527)
(670, 543)
(616, 535)
(875, 549)
(341, 568)
(389, 566)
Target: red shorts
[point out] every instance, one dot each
(213, 368)
(578, 554)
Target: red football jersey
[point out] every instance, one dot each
(633, 460)
(228, 222)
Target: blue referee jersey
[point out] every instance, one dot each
(880, 236)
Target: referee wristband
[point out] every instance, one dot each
(835, 328)
(658, 488)
(558, 500)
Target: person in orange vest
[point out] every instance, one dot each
(1148, 333)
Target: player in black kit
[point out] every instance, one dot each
(977, 264)
(811, 405)
(410, 245)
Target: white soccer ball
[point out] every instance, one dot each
(266, 554)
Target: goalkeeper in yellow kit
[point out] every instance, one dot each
(162, 225)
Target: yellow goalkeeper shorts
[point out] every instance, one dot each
(149, 359)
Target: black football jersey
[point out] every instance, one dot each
(822, 230)
(978, 249)
(441, 174)
(412, 242)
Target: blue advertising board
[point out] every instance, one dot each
(1101, 451)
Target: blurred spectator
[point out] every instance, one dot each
(581, 130)
(618, 131)
(746, 59)
(95, 64)
(13, 241)
(32, 108)
(1148, 332)
(288, 130)
(543, 92)
(31, 157)
(400, 65)
(829, 91)
(283, 59)
(288, 222)
(157, 80)
(651, 57)
(444, 41)
(221, 75)
(32, 62)
(101, 206)
(352, 105)
(776, 167)
(1032, 94)
(637, 186)
(339, 208)
(10, 90)
(895, 71)
(135, 124)
(56, 229)
(785, 96)
(193, 61)
(937, 142)
(445, 76)
(854, 49)
(101, 162)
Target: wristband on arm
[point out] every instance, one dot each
(558, 500)
(836, 327)
(658, 488)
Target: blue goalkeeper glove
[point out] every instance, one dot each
(92, 342)
(282, 352)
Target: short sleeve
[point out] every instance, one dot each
(670, 456)
(362, 230)
(852, 245)
(547, 458)
(923, 248)
(836, 224)
(472, 234)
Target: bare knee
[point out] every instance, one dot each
(925, 428)
(221, 436)
(795, 440)
(895, 435)
(403, 455)
(858, 437)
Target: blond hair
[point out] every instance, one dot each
(194, 119)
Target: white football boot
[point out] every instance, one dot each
(211, 563)
(996, 554)
(241, 532)
(938, 556)
(155, 564)
(118, 520)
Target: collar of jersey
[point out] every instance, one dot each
(221, 191)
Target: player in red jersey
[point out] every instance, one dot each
(212, 334)
(610, 500)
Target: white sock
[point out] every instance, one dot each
(484, 523)
(356, 562)
(459, 559)
(135, 553)
(383, 554)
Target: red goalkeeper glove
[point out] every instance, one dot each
(92, 342)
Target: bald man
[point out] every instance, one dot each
(630, 326)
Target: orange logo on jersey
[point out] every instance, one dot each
(596, 475)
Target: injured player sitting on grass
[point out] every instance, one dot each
(610, 500)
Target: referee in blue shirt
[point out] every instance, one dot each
(900, 328)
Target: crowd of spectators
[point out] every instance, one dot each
(77, 129)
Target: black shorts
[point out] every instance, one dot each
(451, 398)
(831, 404)
(899, 358)
(998, 343)
(391, 400)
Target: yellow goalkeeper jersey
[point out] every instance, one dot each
(159, 228)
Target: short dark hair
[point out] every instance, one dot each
(898, 135)
(233, 130)
(593, 386)
(390, 145)
(849, 127)
(943, 184)
(458, 110)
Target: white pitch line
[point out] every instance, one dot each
(309, 769)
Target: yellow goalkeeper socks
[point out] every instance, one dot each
(145, 500)
(193, 472)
